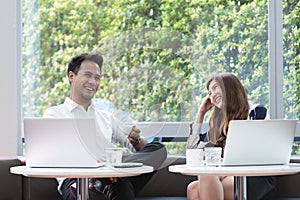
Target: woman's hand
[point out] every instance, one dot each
(205, 106)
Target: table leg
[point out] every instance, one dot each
(240, 188)
(82, 189)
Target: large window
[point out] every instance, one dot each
(158, 54)
(291, 59)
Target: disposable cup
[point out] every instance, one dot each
(194, 157)
(213, 155)
(113, 156)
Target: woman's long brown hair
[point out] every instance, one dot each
(235, 106)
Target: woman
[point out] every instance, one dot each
(228, 99)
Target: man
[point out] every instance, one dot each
(84, 73)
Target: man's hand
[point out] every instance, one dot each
(134, 135)
(135, 138)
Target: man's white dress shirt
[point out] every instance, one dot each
(109, 130)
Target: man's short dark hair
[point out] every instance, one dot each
(76, 61)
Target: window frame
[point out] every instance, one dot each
(275, 66)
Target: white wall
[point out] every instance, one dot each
(10, 78)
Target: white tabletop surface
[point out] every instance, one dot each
(101, 172)
(269, 170)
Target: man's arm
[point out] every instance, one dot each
(135, 138)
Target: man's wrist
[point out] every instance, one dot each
(137, 141)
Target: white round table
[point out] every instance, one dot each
(240, 172)
(82, 174)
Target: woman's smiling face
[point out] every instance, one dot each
(215, 93)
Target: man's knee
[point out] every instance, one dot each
(68, 192)
(153, 154)
(121, 190)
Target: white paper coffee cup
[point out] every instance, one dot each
(113, 156)
(194, 157)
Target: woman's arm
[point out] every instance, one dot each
(195, 128)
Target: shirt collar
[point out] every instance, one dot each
(71, 105)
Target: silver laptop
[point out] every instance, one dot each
(259, 142)
(60, 142)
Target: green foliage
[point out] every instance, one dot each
(177, 148)
(291, 59)
(158, 54)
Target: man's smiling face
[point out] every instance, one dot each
(85, 83)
